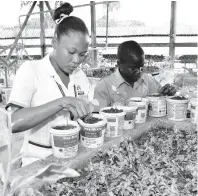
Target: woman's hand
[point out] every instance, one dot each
(26, 118)
(78, 107)
(168, 90)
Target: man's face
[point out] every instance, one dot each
(131, 72)
(71, 50)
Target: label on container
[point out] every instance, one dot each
(177, 111)
(130, 115)
(120, 125)
(115, 127)
(129, 124)
(93, 140)
(129, 120)
(65, 141)
(194, 114)
(91, 132)
(157, 108)
(112, 127)
(65, 146)
(141, 115)
(141, 107)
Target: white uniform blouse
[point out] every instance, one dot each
(35, 84)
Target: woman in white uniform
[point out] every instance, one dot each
(44, 91)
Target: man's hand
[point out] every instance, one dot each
(168, 90)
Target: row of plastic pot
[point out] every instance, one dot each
(174, 107)
(90, 131)
(112, 121)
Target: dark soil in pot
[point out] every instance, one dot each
(64, 127)
(113, 110)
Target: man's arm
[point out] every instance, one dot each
(155, 87)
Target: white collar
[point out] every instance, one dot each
(52, 72)
(50, 69)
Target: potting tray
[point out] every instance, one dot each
(82, 159)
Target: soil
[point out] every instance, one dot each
(155, 95)
(179, 98)
(113, 110)
(91, 120)
(67, 127)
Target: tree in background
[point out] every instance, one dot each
(34, 21)
(113, 22)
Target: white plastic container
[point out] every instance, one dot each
(177, 109)
(115, 122)
(157, 105)
(92, 135)
(194, 110)
(129, 118)
(65, 142)
(142, 108)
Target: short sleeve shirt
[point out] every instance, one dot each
(35, 85)
(114, 88)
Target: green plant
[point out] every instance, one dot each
(10, 66)
(161, 162)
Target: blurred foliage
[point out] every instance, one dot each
(188, 58)
(118, 23)
(25, 3)
(100, 72)
(9, 66)
(157, 58)
(114, 6)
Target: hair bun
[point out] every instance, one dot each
(65, 8)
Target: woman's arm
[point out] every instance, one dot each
(26, 118)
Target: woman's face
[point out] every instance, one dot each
(70, 51)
